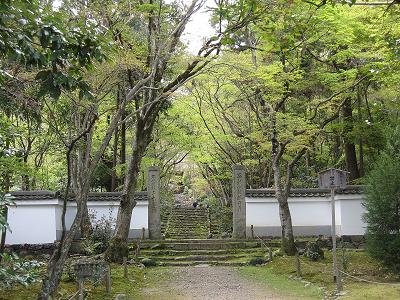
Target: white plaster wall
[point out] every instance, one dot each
(32, 222)
(309, 211)
(305, 211)
(106, 210)
(37, 221)
(352, 211)
(140, 216)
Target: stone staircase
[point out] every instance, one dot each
(188, 223)
(198, 252)
(187, 240)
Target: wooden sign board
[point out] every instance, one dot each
(332, 178)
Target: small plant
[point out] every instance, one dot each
(17, 271)
(277, 253)
(314, 251)
(101, 234)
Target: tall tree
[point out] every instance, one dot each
(162, 47)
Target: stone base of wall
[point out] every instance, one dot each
(138, 234)
(32, 249)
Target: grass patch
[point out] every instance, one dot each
(131, 286)
(359, 264)
(280, 283)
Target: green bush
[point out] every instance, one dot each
(383, 205)
(313, 251)
(101, 234)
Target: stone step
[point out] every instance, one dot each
(155, 253)
(191, 231)
(230, 240)
(188, 213)
(201, 246)
(189, 218)
(187, 221)
(204, 257)
(188, 236)
(205, 263)
(189, 226)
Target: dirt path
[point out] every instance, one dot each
(206, 282)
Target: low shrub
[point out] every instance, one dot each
(14, 270)
(383, 205)
(313, 251)
(101, 235)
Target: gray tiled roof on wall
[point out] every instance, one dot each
(94, 196)
(313, 192)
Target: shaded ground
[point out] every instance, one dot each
(207, 282)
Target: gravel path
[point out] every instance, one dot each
(207, 282)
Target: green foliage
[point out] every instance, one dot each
(313, 251)
(99, 239)
(5, 201)
(14, 270)
(36, 36)
(383, 204)
(11, 164)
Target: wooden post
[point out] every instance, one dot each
(337, 278)
(108, 279)
(270, 253)
(125, 267)
(298, 267)
(137, 251)
(80, 289)
(252, 231)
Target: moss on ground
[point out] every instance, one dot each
(318, 276)
(280, 283)
(137, 278)
(316, 284)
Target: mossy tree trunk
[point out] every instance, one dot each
(118, 248)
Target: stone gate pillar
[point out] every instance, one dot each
(239, 201)
(153, 193)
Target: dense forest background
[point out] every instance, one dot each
(320, 80)
(92, 93)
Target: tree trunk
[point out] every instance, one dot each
(86, 224)
(287, 244)
(349, 146)
(115, 155)
(114, 162)
(287, 239)
(3, 234)
(123, 144)
(57, 261)
(118, 248)
(6, 188)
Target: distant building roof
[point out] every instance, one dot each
(94, 196)
(312, 192)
